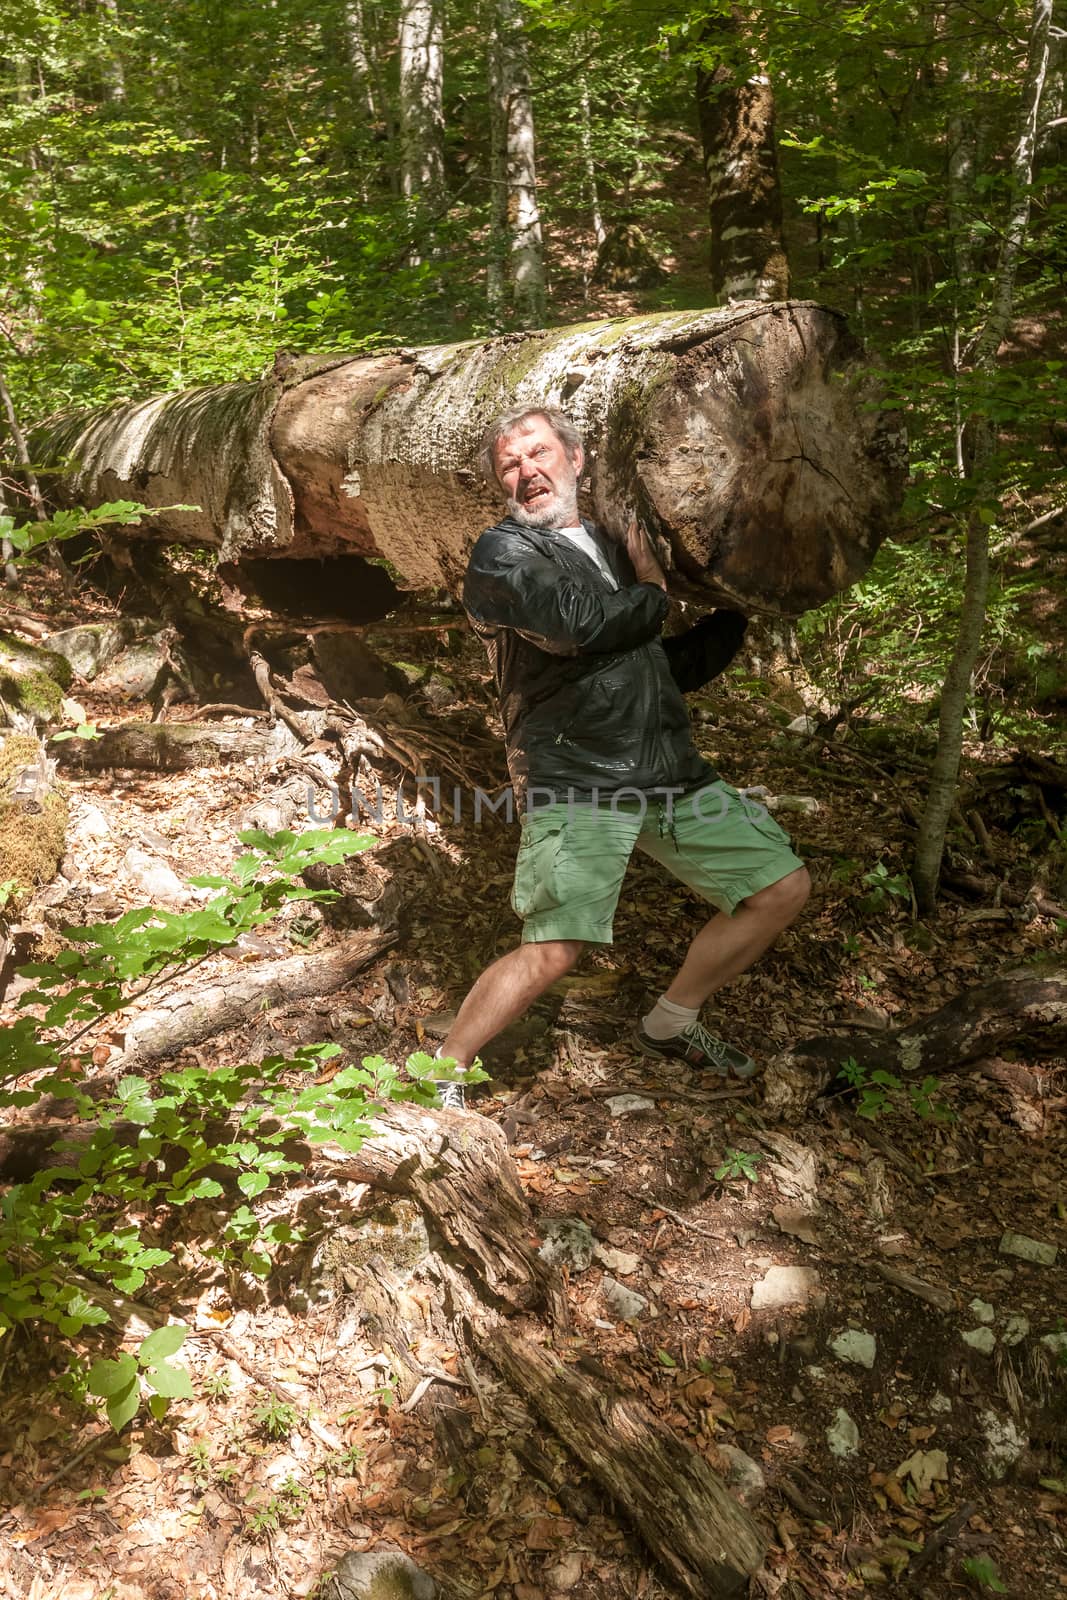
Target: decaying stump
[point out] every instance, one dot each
(746, 438)
(976, 1023)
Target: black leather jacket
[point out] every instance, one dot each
(590, 697)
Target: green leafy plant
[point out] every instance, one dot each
(122, 1383)
(982, 1571)
(63, 525)
(738, 1164)
(877, 1088)
(217, 1385)
(274, 1418)
(883, 887)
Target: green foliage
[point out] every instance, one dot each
(274, 1418)
(738, 1164)
(122, 1382)
(877, 1090)
(981, 1570)
(28, 537)
(168, 1143)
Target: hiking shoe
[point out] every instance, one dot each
(452, 1096)
(700, 1049)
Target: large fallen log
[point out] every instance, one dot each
(1030, 1002)
(746, 438)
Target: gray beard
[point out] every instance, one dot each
(563, 514)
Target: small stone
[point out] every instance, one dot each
(1027, 1249)
(1056, 1342)
(856, 1346)
(982, 1339)
(800, 1224)
(939, 1403)
(1004, 1443)
(153, 878)
(91, 824)
(622, 1105)
(842, 1435)
(568, 1241)
(623, 1303)
(743, 1475)
(805, 804)
(623, 1263)
(1016, 1329)
(786, 1286)
(566, 1572)
(983, 1311)
(379, 1575)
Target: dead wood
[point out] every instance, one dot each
(746, 436)
(167, 747)
(972, 883)
(192, 1013)
(1031, 1001)
(700, 1534)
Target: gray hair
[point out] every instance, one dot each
(512, 422)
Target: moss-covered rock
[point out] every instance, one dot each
(32, 680)
(31, 842)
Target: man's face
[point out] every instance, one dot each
(539, 475)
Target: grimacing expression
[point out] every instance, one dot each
(539, 475)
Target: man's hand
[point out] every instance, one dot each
(638, 547)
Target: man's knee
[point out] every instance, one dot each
(783, 901)
(555, 957)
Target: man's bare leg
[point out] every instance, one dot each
(728, 945)
(504, 991)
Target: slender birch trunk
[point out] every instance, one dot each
(360, 74)
(422, 121)
(982, 355)
(514, 121)
(592, 194)
(113, 71)
(748, 257)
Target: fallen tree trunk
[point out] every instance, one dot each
(745, 437)
(193, 1013)
(172, 746)
(973, 1024)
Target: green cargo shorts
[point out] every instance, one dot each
(573, 857)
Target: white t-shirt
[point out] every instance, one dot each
(589, 547)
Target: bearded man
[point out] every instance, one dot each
(601, 755)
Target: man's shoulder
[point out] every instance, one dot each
(502, 536)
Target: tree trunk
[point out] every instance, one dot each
(973, 1024)
(422, 123)
(736, 110)
(513, 124)
(930, 843)
(746, 438)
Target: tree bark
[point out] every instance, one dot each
(516, 213)
(747, 439)
(736, 109)
(702, 1536)
(973, 1024)
(955, 695)
(167, 747)
(422, 123)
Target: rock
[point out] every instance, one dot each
(624, 1304)
(153, 878)
(621, 1105)
(94, 645)
(804, 804)
(982, 1339)
(856, 1346)
(743, 1475)
(379, 1575)
(842, 1435)
(622, 1262)
(786, 1286)
(939, 1404)
(1056, 1342)
(566, 1572)
(1016, 1329)
(983, 1311)
(799, 1224)
(134, 674)
(804, 726)
(1004, 1443)
(91, 823)
(1035, 1250)
(569, 1242)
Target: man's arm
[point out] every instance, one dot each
(509, 586)
(705, 650)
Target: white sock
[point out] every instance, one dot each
(666, 1019)
(439, 1052)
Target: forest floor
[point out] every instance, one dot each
(882, 1441)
